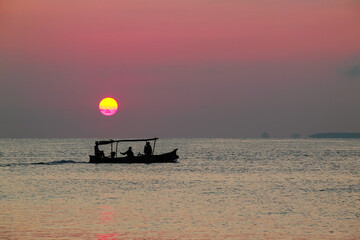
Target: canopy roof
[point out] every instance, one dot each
(125, 140)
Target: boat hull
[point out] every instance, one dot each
(170, 157)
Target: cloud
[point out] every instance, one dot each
(351, 66)
(353, 71)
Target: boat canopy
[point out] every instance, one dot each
(125, 140)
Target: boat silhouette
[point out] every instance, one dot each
(149, 157)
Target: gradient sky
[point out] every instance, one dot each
(179, 68)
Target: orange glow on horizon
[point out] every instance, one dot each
(108, 106)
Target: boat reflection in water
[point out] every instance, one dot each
(147, 157)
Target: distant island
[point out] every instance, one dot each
(335, 135)
(265, 135)
(295, 135)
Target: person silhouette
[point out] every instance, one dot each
(147, 149)
(98, 153)
(129, 153)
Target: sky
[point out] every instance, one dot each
(179, 68)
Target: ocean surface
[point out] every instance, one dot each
(219, 189)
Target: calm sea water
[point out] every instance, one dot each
(220, 189)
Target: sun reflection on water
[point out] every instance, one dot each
(106, 217)
(105, 236)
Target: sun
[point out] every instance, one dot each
(108, 106)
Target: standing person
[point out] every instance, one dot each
(147, 149)
(129, 153)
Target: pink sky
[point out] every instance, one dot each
(179, 68)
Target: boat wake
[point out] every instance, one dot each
(55, 162)
(60, 162)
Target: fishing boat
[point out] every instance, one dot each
(148, 157)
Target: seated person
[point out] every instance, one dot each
(98, 153)
(129, 153)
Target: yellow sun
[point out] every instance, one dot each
(108, 106)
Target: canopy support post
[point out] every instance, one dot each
(154, 147)
(116, 149)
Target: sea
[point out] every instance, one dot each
(219, 189)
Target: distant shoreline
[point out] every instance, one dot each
(335, 135)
